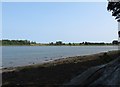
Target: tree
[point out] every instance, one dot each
(69, 44)
(119, 33)
(15, 42)
(115, 42)
(51, 43)
(59, 43)
(114, 7)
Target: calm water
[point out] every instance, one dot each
(13, 56)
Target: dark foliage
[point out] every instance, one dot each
(16, 42)
(115, 42)
(114, 7)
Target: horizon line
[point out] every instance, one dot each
(63, 41)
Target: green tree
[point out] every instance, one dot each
(15, 42)
(59, 43)
(69, 44)
(114, 7)
(51, 43)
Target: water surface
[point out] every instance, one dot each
(13, 56)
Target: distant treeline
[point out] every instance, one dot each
(57, 43)
(17, 42)
(77, 44)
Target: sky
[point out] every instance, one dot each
(45, 22)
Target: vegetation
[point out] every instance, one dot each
(115, 42)
(114, 7)
(78, 44)
(57, 43)
(16, 42)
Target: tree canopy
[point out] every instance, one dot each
(15, 42)
(114, 7)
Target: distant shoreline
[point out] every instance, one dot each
(59, 45)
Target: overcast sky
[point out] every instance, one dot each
(65, 21)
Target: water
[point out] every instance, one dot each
(13, 56)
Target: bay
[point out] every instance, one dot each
(13, 56)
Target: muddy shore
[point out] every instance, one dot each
(54, 73)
